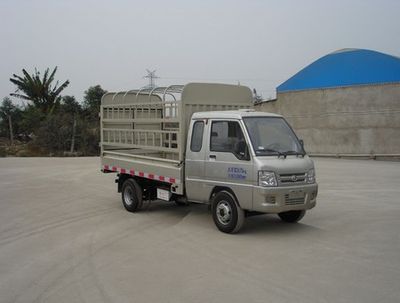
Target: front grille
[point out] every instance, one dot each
(294, 201)
(290, 179)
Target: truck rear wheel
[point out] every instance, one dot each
(132, 196)
(227, 214)
(292, 216)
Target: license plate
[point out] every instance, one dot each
(296, 194)
(163, 194)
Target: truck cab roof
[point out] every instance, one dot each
(232, 114)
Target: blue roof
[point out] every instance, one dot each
(345, 67)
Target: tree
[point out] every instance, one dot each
(54, 134)
(32, 117)
(70, 105)
(90, 126)
(7, 108)
(41, 91)
(92, 100)
(9, 114)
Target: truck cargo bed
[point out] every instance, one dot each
(143, 132)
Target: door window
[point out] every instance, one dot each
(197, 136)
(227, 136)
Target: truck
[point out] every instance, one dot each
(204, 143)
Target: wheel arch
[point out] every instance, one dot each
(218, 189)
(121, 179)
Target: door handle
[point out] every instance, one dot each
(213, 157)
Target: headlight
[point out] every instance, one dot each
(311, 176)
(266, 178)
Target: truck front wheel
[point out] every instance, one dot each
(227, 214)
(292, 216)
(132, 196)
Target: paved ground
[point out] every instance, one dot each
(65, 237)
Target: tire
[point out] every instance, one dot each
(292, 216)
(226, 212)
(132, 195)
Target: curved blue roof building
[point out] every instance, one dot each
(347, 67)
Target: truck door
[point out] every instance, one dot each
(194, 162)
(228, 162)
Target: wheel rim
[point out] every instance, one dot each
(224, 212)
(128, 196)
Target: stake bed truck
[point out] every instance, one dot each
(203, 143)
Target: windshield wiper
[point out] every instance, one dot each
(292, 152)
(269, 151)
(279, 153)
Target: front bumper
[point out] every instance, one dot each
(284, 198)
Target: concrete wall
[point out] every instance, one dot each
(353, 120)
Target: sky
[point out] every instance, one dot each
(255, 43)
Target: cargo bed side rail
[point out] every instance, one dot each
(151, 125)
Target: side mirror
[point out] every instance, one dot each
(301, 143)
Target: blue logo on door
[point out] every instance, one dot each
(237, 173)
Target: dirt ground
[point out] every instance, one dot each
(65, 237)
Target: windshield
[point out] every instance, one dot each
(272, 136)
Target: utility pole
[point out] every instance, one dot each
(11, 130)
(73, 135)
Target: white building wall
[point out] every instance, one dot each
(351, 120)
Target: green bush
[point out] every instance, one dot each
(3, 152)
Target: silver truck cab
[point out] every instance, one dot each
(246, 161)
